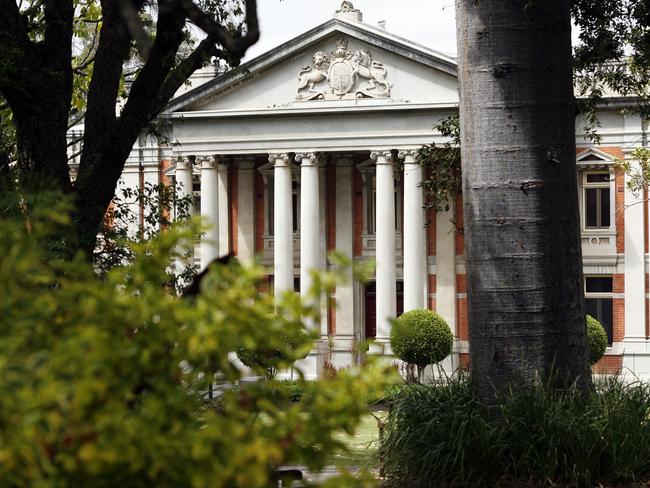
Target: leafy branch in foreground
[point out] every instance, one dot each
(139, 215)
(104, 382)
(441, 163)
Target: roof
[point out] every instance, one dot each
(363, 32)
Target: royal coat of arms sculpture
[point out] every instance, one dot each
(349, 75)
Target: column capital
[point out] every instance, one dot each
(308, 159)
(182, 163)
(408, 155)
(382, 157)
(209, 162)
(279, 159)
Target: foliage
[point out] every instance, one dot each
(442, 180)
(139, 216)
(268, 360)
(421, 337)
(596, 339)
(103, 382)
(295, 389)
(638, 175)
(111, 66)
(612, 55)
(440, 435)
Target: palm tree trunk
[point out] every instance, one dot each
(522, 242)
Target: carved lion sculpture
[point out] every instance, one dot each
(308, 76)
(373, 71)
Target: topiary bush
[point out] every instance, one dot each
(421, 337)
(596, 339)
(268, 359)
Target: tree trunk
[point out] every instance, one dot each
(522, 241)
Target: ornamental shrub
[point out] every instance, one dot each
(596, 339)
(268, 359)
(421, 337)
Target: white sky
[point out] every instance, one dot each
(428, 22)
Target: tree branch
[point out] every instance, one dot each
(236, 45)
(112, 50)
(11, 22)
(136, 29)
(189, 65)
(142, 97)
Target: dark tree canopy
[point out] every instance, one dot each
(41, 74)
(613, 53)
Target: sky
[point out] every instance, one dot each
(428, 22)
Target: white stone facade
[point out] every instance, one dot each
(312, 147)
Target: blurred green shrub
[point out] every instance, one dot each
(103, 381)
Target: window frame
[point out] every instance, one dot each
(586, 185)
(608, 295)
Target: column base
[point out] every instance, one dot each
(380, 347)
(636, 358)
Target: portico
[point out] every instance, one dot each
(312, 148)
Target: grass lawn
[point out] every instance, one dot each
(362, 446)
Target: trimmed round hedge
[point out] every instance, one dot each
(421, 337)
(268, 359)
(596, 339)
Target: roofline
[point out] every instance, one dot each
(363, 32)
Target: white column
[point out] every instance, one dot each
(223, 210)
(282, 224)
(309, 226)
(414, 234)
(385, 248)
(345, 245)
(184, 177)
(634, 245)
(246, 210)
(209, 211)
(184, 189)
(446, 267)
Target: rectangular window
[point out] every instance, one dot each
(599, 302)
(596, 200)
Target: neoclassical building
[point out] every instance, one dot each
(311, 147)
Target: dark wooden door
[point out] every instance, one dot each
(371, 306)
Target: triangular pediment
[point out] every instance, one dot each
(593, 158)
(339, 63)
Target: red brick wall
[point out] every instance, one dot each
(432, 289)
(464, 361)
(619, 207)
(357, 206)
(431, 232)
(234, 203)
(330, 217)
(259, 213)
(460, 221)
(618, 286)
(608, 365)
(461, 308)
